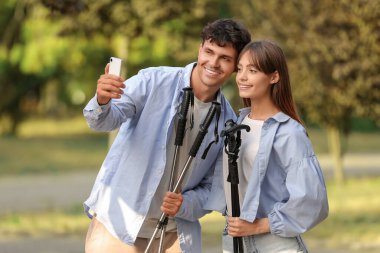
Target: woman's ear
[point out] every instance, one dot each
(275, 77)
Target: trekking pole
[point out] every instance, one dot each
(188, 97)
(215, 108)
(232, 145)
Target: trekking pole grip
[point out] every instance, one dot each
(215, 106)
(188, 93)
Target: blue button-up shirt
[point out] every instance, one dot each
(286, 184)
(135, 163)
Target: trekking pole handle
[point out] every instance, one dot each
(215, 106)
(232, 127)
(187, 97)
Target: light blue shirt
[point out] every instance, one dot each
(286, 184)
(135, 163)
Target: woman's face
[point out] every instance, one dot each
(252, 83)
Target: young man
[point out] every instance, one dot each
(131, 189)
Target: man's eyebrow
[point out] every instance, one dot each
(228, 56)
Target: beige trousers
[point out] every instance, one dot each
(99, 240)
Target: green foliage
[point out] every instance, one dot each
(332, 48)
(34, 57)
(333, 53)
(51, 57)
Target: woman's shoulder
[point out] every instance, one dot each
(291, 142)
(292, 134)
(290, 126)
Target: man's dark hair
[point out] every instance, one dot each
(226, 31)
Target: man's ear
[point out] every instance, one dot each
(275, 77)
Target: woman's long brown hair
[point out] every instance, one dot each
(267, 57)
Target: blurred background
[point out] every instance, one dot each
(52, 53)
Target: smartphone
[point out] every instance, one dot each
(115, 66)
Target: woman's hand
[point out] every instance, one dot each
(238, 227)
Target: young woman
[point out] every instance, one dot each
(281, 187)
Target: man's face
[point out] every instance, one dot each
(215, 64)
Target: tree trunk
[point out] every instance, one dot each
(334, 140)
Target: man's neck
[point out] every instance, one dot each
(205, 95)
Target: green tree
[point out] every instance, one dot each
(333, 49)
(37, 74)
(143, 33)
(52, 52)
(14, 85)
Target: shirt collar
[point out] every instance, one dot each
(279, 117)
(187, 74)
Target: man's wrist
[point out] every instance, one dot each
(101, 102)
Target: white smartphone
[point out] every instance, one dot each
(115, 66)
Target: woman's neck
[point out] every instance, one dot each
(262, 110)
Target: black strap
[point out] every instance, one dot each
(216, 135)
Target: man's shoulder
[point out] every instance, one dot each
(168, 70)
(161, 70)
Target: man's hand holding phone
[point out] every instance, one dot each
(110, 84)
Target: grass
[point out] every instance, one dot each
(52, 146)
(55, 146)
(353, 222)
(51, 154)
(60, 223)
(44, 127)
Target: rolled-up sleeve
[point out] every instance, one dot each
(93, 112)
(307, 204)
(194, 200)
